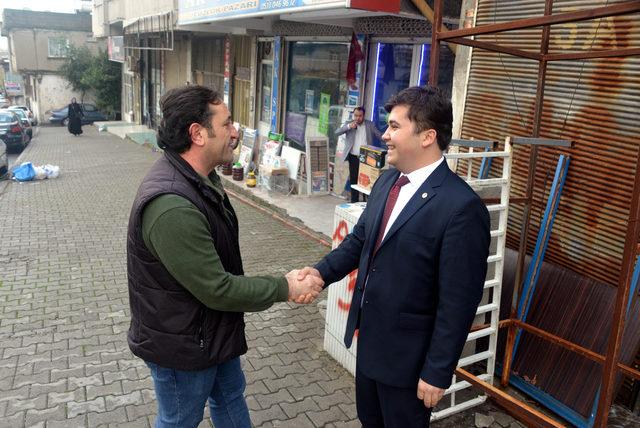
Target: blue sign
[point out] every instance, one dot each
(277, 47)
(192, 11)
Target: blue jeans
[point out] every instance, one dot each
(182, 395)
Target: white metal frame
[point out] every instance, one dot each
(492, 286)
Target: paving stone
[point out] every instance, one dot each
(300, 421)
(140, 411)
(115, 401)
(12, 421)
(267, 400)
(301, 406)
(75, 408)
(114, 388)
(109, 417)
(267, 415)
(35, 416)
(322, 418)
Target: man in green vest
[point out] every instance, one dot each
(187, 288)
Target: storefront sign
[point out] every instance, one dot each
(115, 48)
(227, 68)
(323, 113)
(275, 87)
(13, 88)
(192, 11)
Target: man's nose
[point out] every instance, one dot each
(386, 136)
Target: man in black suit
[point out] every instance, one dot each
(421, 248)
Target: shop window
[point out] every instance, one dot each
(392, 74)
(316, 75)
(445, 64)
(58, 47)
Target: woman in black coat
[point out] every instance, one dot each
(75, 115)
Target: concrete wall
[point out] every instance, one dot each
(53, 92)
(106, 12)
(30, 48)
(178, 64)
(139, 8)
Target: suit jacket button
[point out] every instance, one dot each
(360, 288)
(373, 270)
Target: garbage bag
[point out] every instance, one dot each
(40, 173)
(24, 172)
(51, 171)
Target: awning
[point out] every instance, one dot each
(207, 11)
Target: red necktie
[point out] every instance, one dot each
(388, 208)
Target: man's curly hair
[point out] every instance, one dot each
(182, 107)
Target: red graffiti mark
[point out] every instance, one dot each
(341, 232)
(351, 285)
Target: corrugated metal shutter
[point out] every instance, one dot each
(595, 103)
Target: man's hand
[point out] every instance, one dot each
(303, 290)
(353, 125)
(430, 395)
(308, 272)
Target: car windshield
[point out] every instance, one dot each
(6, 118)
(20, 113)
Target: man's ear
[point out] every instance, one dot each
(195, 134)
(428, 137)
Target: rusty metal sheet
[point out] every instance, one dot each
(578, 309)
(595, 103)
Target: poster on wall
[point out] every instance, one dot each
(294, 128)
(323, 113)
(309, 98)
(266, 101)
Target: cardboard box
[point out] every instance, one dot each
(372, 156)
(367, 176)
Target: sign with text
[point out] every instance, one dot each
(193, 11)
(115, 48)
(13, 88)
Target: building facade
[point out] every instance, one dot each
(38, 46)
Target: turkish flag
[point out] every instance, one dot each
(355, 55)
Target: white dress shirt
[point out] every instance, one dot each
(416, 179)
(360, 140)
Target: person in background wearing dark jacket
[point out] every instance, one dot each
(421, 248)
(359, 132)
(74, 117)
(187, 291)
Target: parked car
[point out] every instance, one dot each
(4, 160)
(29, 113)
(24, 121)
(91, 114)
(11, 131)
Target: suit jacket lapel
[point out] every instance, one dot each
(418, 200)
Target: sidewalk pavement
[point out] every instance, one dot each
(64, 304)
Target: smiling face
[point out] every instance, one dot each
(222, 136)
(216, 141)
(408, 150)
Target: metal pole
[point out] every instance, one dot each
(434, 60)
(622, 297)
(524, 233)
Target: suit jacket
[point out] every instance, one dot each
(350, 136)
(423, 285)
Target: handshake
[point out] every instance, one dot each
(304, 285)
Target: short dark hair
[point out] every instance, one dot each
(182, 107)
(429, 108)
(361, 108)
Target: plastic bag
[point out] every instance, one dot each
(24, 172)
(51, 171)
